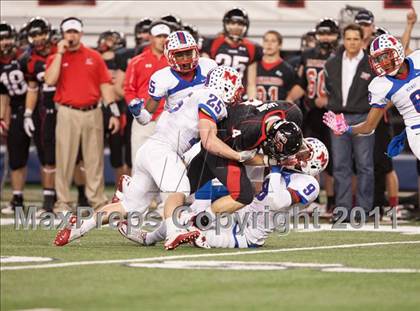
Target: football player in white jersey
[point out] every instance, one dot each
(163, 170)
(397, 82)
(283, 189)
(187, 71)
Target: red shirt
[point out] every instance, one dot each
(139, 71)
(82, 73)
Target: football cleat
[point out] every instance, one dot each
(180, 237)
(123, 183)
(68, 234)
(201, 241)
(136, 235)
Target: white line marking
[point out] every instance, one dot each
(238, 253)
(366, 270)
(20, 259)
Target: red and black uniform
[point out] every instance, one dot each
(119, 143)
(313, 82)
(12, 77)
(274, 80)
(244, 129)
(238, 55)
(45, 114)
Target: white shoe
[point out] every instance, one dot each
(136, 235)
(8, 210)
(201, 241)
(180, 237)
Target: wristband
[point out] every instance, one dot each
(114, 110)
(350, 130)
(144, 117)
(28, 113)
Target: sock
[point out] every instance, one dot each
(17, 193)
(331, 200)
(200, 206)
(81, 190)
(156, 236)
(393, 201)
(170, 227)
(88, 225)
(48, 192)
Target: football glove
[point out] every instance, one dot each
(396, 145)
(336, 123)
(136, 107)
(28, 124)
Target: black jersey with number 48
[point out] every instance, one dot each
(12, 78)
(244, 128)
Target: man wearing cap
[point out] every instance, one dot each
(136, 84)
(365, 19)
(81, 79)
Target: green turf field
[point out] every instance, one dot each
(117, 286)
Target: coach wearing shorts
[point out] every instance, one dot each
(81, 78)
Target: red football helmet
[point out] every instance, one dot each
(181, 51)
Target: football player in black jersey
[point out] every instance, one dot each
(231, 48)
(275, 77)
(12, 81)
(107, 44)
(312, 86)
(271, 126)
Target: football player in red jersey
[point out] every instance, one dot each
(231, 48)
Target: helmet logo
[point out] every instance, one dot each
(322, 158)
(230, 76)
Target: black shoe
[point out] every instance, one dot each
(17, 201)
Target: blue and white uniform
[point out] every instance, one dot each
(405, 95)
(167, 83)
(258, 219)
(159, 166)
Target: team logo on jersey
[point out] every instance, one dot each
(89, 61)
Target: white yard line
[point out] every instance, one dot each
(238, 253)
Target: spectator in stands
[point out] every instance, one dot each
(275, 77)
(81, 79)
(136, 84)
(231, 48)
(347, 76)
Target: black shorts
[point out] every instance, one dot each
(206, 166)
(49, 121)
(18, 142)
(314, 127)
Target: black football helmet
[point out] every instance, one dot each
(120, 40)
(306, 40)
(329, 26)
(7, 31)
(381, 31)
(22, 36)
(173, 21)
(38, 26)
(55, 35)
(140, 28)
(103, 41)
(284, 139)
(236, 15)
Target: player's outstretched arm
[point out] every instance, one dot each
(369, 125)
(406, 37)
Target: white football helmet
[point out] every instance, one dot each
(227, 82)
(316, 158)
(386, 55)
(181, 51)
